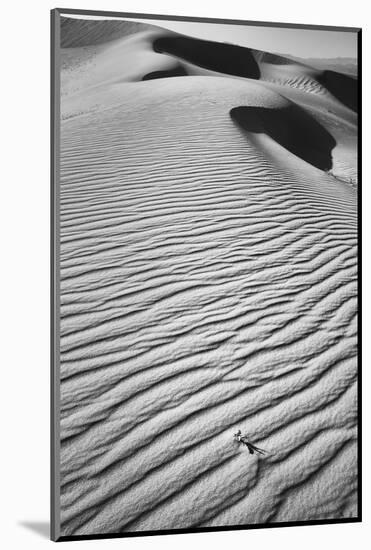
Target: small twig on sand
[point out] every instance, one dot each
(252, 448)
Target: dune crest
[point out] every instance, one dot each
(223, 58)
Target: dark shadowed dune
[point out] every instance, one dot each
(179, 70)
(215, 56)
(344, 65)
(225, 58)
(342, 86)
(292, 128)
(273, 59)
(245, 62)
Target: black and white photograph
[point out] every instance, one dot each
(205, 366)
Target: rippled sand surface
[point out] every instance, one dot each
(208, 283)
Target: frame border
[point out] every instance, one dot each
(55, 533)
(54, 278)
(120, 15)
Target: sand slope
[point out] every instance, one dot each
(208, 283)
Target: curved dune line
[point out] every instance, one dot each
(223, 58)
(177, 70)
(193, 56)
(246, 62)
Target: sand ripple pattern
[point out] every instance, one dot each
(208, 283)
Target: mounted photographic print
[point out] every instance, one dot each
(205, 365)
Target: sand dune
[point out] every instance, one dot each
(291, 127)
(84, 32)
(208, 283)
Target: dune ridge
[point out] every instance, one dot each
(208, 283)
(223, 58)
(76, 33)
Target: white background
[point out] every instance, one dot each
(24, 399)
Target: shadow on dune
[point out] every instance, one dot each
(240, 61)
(291, 127)
(273, 59)
(215, 56)
(342, 86)
(176, 71)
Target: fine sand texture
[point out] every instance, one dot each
(208, 268)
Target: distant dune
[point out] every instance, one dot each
(76, 33)
(208, 283)
(346, 65)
